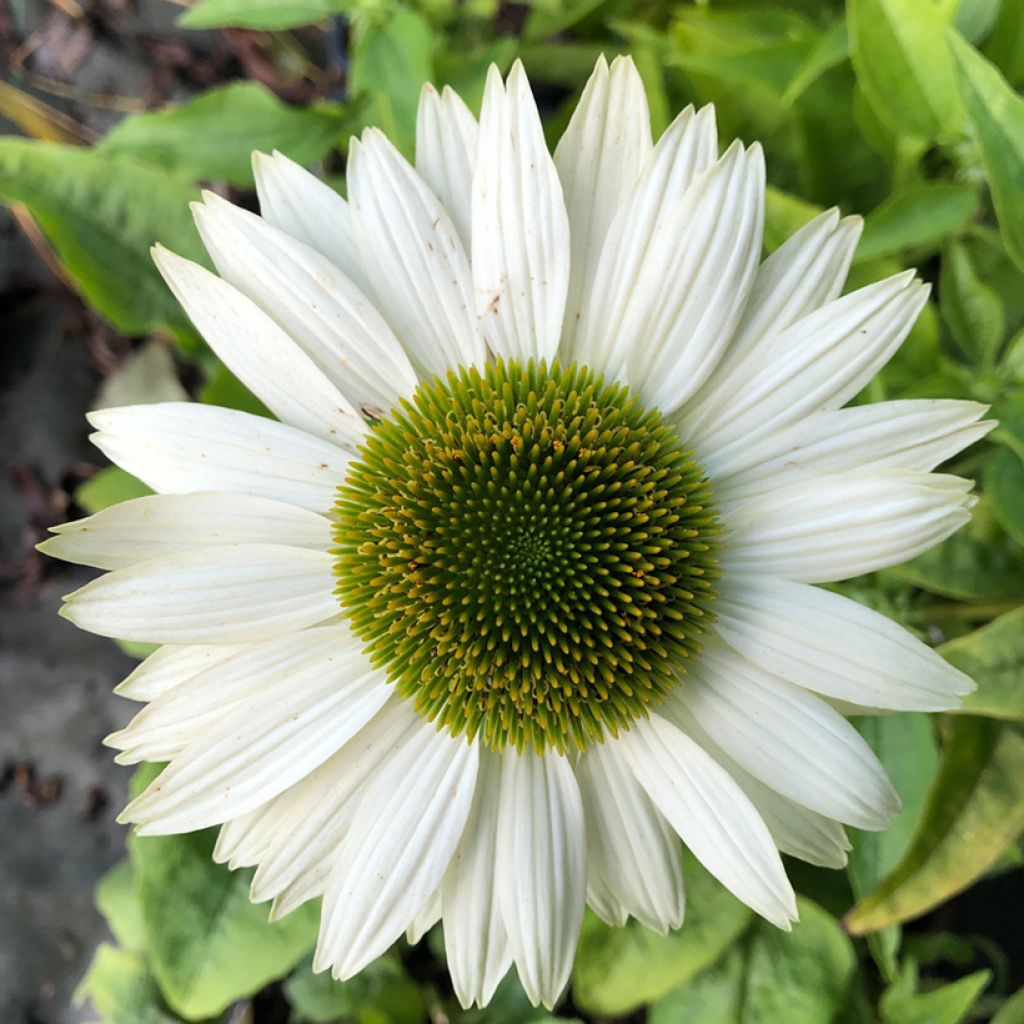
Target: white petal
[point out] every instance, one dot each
(711, 814)
(599, 159)
(169, 524)
(634, 864)
(819, 363)
(239, 593)
(163, 729)
(520, 227)
(242, 840)
(427, 917)
(790, 740)
(834, 646)
(180, 447)
(446, 134)
(402, 837)
(266, 743)
(321, 310)
(668, 316)
(914, 434)
(419, 272)
(260, 354)
(170, 666)
(475, 942)
(686, 150)
(541, 869)
(834, 528)
(309, 210)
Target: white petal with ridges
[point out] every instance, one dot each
(181, 447)
(167, 524)
(239, 593)
(541, 868)
(170, 666)
(520, 226)
(401, 840)
(260, 353)
(634, 864)
(711, 814)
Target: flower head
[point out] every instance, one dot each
(519, 589)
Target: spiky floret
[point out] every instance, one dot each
(528, 552)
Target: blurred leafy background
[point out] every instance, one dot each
(116, 112)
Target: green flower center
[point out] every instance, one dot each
(528, 552)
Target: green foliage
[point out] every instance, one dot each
(262, 14)
(121, 989)
(946, 1004)
(108, 487)
(382, 994)
(993, 657)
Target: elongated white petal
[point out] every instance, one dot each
(418, 268)
(831, 645)
(298, 857)
(401, 840)
(260, 353)
(266, 744)
(309, 210)
(711, 814)
(169, 524)
(914, 434)
(242, 841)
(181, 447)
(668, 318)
(685, 151)
(166, 726)
(833, 528)
(788, 739)
(446, 134)
(425, 919)
(599, 160)
(541, 868)
(171, 665)
(520, 226)
(321, 310)
(634, 865)
(474, 934)
(819, 363)
(238, 593)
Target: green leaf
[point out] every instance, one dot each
(1005, 46)
(262, 14)
(390, 64)
(996, 116)
(121, 989)
(903, 65)
(225, 389)
(102, 212)
(619, 969)
(1009, 412)
(947, 1004)
(971, 309)
(108, 487)
(1004, 489)
(772, 978)
(783, 214)
(975, 18)
(993, 657)
(975, 811)
(214, 136)
(917, 216)
(118, 901)
(832, 48)
(208, 944)
(1012, 1011)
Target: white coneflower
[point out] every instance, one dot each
(519, 591)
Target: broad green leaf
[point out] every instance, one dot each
(390, 64)
(1012, 1011)
(918, 216)
(619, 969)
(108, 487)
(224, 388)
(1004, 488)
(971, 309)
(102, 212)
(208, 944)
(264, 14)
(975, 810)
(996, 116)
(993, 657)
(975, 18)
(978, 563)
(214, 136)
(772, 978)
(903, 65)
(118, 901)
(1005, 45)
(947, 1004)
(121, 989)
(832, 48)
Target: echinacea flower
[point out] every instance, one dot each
(520, 589)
